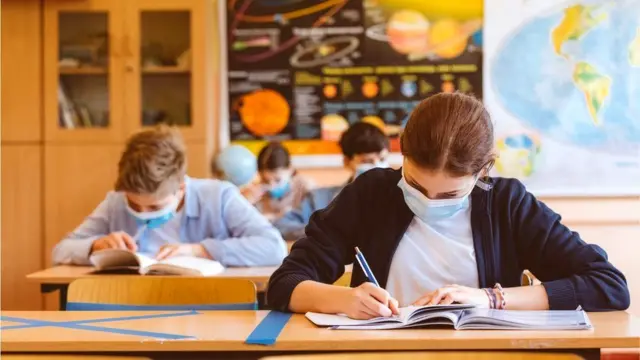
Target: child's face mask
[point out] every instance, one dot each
(156, 218)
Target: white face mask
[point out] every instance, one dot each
(430, 210)
(155, 219)
(364, 167)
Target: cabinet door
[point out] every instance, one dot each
(83, 71)
(165, 66)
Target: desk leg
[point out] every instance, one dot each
(62, 288)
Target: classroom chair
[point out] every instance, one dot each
(160, 293)
(433, 355)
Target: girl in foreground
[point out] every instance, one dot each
(440, 231)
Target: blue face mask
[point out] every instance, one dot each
(279, 191)
(429, 210)
(155, 219)
(362, 168)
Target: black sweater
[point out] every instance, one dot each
(512, 231)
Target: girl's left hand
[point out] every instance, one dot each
(455, 293)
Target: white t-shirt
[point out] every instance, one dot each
(431, 256)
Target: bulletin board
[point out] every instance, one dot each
(302, 71)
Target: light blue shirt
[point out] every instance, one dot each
(214, 214)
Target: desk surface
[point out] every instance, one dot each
(65, 274)
(227, 331)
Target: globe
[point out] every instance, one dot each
(573, 75)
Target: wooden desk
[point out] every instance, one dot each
(59, 277)
(224, 332)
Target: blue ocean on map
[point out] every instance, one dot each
(537, 83)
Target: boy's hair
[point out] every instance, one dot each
(154, 162)
(273, 156)
(363, 138)
(451, 132)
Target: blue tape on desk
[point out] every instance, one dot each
(35, 323)
(80, 325)
(81, 306)
(269, 328)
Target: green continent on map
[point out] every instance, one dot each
(595, 87)
(634, 50)
(578, 20)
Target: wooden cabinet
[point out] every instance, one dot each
(21, 71)
(21, 225)
(112, 67)
(78, 178)
(165, 65)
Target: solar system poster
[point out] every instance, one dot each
(302, 71)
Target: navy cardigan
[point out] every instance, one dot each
(512, 231)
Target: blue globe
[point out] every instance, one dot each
(540, 83)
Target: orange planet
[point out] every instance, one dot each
(264, 112)
(330, 91)
(448, 87)
(448, 38)
(375, 121)
(369, 89)
(407, 31)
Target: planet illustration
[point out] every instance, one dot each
(330, 91)
(375, 121)
(448, 38)
(264, 112)
(370, 89)
(407, 31)
(517, 155)
(332, 126)
(410, 33)
(448, 87)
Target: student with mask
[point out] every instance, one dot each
(364, 147)
(280, 188)
(158, 210)
(439, 231)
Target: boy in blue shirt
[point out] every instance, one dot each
(364, 147)
(158, 210)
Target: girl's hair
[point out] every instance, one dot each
(273, 156)
(450, 132)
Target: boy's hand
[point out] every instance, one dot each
(115, 240)
(171, 250)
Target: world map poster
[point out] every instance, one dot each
(562, 82)
(302, 71)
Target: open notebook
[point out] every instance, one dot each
(116, 260)
(461, 317)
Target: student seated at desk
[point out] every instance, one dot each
(440, 230)
(364, 147)
(157, 209)
(280, 188)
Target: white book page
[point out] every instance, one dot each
(145, 260)
(343, 320)
(186, 265)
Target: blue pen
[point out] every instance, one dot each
(365, 267)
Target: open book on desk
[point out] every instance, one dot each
(124, 261)
(461, 317)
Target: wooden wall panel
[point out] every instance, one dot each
(77, 180)
(21, 71)
(197, 160)
(21, 225)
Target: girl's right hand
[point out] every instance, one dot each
(367, 301)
